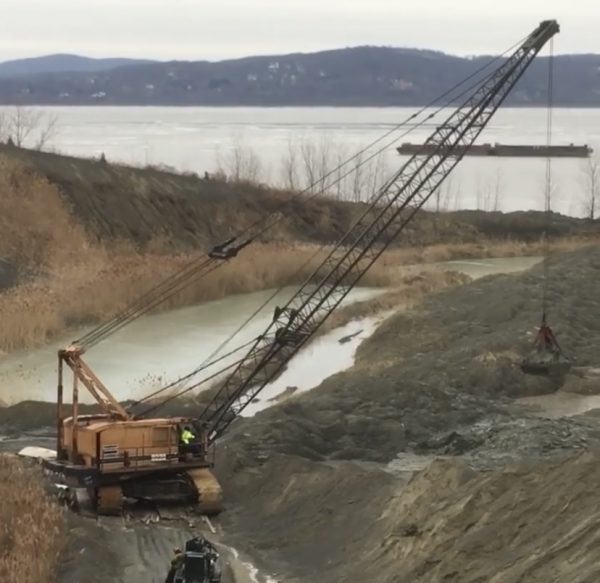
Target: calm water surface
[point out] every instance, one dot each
(159, 348)
(203, 138)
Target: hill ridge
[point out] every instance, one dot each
(354, 76)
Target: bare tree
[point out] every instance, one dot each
(289, 167)
(550, 189)
(324, 162)
(308, 154)
(240, 163)
(480, 193)
(442, 196)
(456, 196)
(498, 189)
(26, 126)
(358, 178)
(489, 192)
(341, 171)
(377, 173)
(46, 132)
(590, 179)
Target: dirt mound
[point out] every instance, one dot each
(436, 380)
(439, 369)
(142, 204)
(312, 516)
(448, 523)
(524, 524)
(524, 225)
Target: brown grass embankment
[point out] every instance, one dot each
(69, 281)
(36, 228)
(101, 282)
(486, 249)
(31, 525)
(89, 292)
(74, 282)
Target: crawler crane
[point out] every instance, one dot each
(117, 454)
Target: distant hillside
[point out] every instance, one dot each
(61, 64)
(362, 76)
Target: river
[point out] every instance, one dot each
(157, 349)
(203, 138)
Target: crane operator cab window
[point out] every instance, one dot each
(189, 443)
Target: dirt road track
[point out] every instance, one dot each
(109, 550)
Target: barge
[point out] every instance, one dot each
(506, 150)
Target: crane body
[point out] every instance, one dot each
(116, 454)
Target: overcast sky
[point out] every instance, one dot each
(219, 29)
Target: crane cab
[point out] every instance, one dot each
(144, 459)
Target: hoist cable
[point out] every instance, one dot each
(170, 286)
(264, 304)
(548, 184)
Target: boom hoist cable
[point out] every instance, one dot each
(391, 209)
(177, 384)
(180, 384)
(199, 268)
(71, 356)
(547, 357)
(194, 271)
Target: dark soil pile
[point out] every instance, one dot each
(526, 523)
(437, 381)
(440, 368)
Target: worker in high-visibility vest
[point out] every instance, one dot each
(187, 436)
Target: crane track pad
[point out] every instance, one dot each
(210, 493)
(109, 500)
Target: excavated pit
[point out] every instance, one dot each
(346, 477)
(514, 498)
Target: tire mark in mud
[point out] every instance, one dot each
(145, 551)
(110, 550)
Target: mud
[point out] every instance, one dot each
(442, 368)
(325, 485)
(449, 523)
(441, 382)
(130, 551)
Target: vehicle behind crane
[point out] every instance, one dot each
(117, 454)
(200, 563)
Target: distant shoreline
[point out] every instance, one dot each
(260, 106)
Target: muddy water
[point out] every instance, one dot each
(151, 351)
(160, 348)
(477, 268)
(561, 404)
(327, 355)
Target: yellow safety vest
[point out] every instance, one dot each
(186, 437)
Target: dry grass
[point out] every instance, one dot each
(31, 525)
(101, 282)
(93, 291)
(79, 283)
(36, 228)
(485, 249)
(75, 282)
